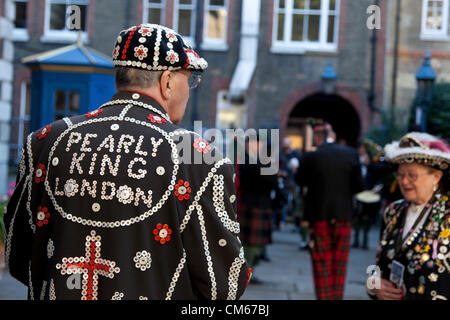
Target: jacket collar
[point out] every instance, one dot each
(140, 97)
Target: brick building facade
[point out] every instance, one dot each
(266, 57)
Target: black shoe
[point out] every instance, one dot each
(355, 245)
(365, 247)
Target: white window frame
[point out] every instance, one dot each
(215, 44)
(190, 39)
(63, 36)
(20, 34)
(300, 47)
(151, 5)
(431, 34)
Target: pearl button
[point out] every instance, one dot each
(115, 127)
(222, 242)
(136, 96)
(182, 190)
(160, 171)
(96, 207)
(125, 194)
(163, 233)
(38, 173)
(41, 215)
(69, 187)
(232, 198)
(55, 161)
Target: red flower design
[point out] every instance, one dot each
(40, 173)
(182, 190)
(162, 233)
(156, 119)
(201, 145)
(43, 133)
(94, 113)
(42, 216)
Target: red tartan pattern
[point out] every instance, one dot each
(329, 255)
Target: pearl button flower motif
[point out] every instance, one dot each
(116, 52)
(42, 216)
(172, 57)
(94, 113)
(145, 32)
(201, 145)
(43, 133)
(143, 260)
(40, 173)
(140, 52)
(162, 233)
(182, 190)
(156, 119)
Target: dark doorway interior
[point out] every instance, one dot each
(334, 109)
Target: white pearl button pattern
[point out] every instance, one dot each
(38, 173)
(55, 161)
(96, 207)
(136, 96)
(232, 198)
(115, 127)
(160, 170)
(222, 242)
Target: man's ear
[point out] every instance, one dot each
(166, 84)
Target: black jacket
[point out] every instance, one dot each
(105, 208)
(332, 175)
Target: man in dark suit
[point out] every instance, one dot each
(329, 177)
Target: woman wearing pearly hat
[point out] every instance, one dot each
(413, 256)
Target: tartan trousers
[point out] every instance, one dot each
(329, 248)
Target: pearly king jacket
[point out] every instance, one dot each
(108, 207)
(425, 253)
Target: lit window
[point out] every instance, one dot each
(435, 19)
(184, 22)
(154, 11)
(20, 32)
(215, 26)
(64, 19)
(306, 24)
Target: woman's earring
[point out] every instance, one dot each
(434, 188)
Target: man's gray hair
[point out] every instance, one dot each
(135, 78)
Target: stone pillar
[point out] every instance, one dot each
(6, 80)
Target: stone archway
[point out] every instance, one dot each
(345, 110)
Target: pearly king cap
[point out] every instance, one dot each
(421, 148)
(154, 47)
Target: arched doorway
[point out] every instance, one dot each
(338, 111)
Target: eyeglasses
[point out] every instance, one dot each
(412, 177)
(194, 80)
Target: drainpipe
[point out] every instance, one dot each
(248, 51)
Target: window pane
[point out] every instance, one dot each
(57, 16)
(217, 23)
(74, 101)
(154, 16)
(299, 4)
(280, 35)
(60, 101)
(313, 27)
(330, 37)
(217, 2)
(185, 1)
(21, 15)
(83, 10)
(282, 4)
(297, 27)
(314, 4)
(184, 22)
(434, 15)
(332, 4)
(155, 1)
